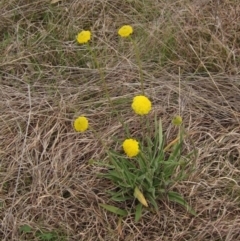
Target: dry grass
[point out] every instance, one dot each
(46, 80)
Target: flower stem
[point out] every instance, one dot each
(137, 54)
(104, 84)
(101, 75)
(97, 136)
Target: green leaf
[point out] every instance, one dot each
(158, 155)
(140, 177)
(120, 199)
(114, 175)
(130, 177)
(149, 181)
(115, 162)
(152, 201)
(120, 196)
(158, 138)
(141, 161)
(114, 210)
(152, 191)
(25, 228)
(160, 135)
(176, 197)
(138, 213)
(176, 152)
(169, 168)
(149, 146)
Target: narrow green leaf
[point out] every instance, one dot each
(120, 161)
(123, 185)
(138, 213)
(115, 162)
(149, 181)
(175, 155)
(160, 135)
(157, 161)
(152, 201)
(152, 191)
(142, 161)
(169, 167)
(114, 210)
(176, 197)
(140, 177)
(149, 147)
(158, 153)
(131, 178)
(120, 198)
(113, 175)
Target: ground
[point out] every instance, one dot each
(187, 55)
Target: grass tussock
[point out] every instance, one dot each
(47, 79)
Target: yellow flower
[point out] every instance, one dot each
(138, 194)
(131, 147)
(81, 124)
(141, 105)
(125, 31)
(83, 37)
(177, 120)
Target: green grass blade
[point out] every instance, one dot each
(152, 201)
(142, 161)
(158, 153)
(114, 210)
(149, 147)
(113, 175)
(168, 168)
(138, 213)
(176, 197)
(160, 135)
(176, 152)
(120, 198)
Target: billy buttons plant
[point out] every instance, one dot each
(146, 171)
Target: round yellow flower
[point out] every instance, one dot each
(141, 105)
(177, 120)
(81, 124)
(125, 31)
(83, 37)
(131, 147)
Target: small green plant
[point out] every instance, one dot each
(149, 176)
(149, 168)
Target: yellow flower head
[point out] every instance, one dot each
(141, 105)
(81, 124)
(131, 147)
(177, 120)
(83, 37)
(125, 31)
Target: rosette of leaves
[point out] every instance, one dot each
(149, 176)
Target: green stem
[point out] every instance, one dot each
(97, 136)
(139, 62)
(102, 77)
